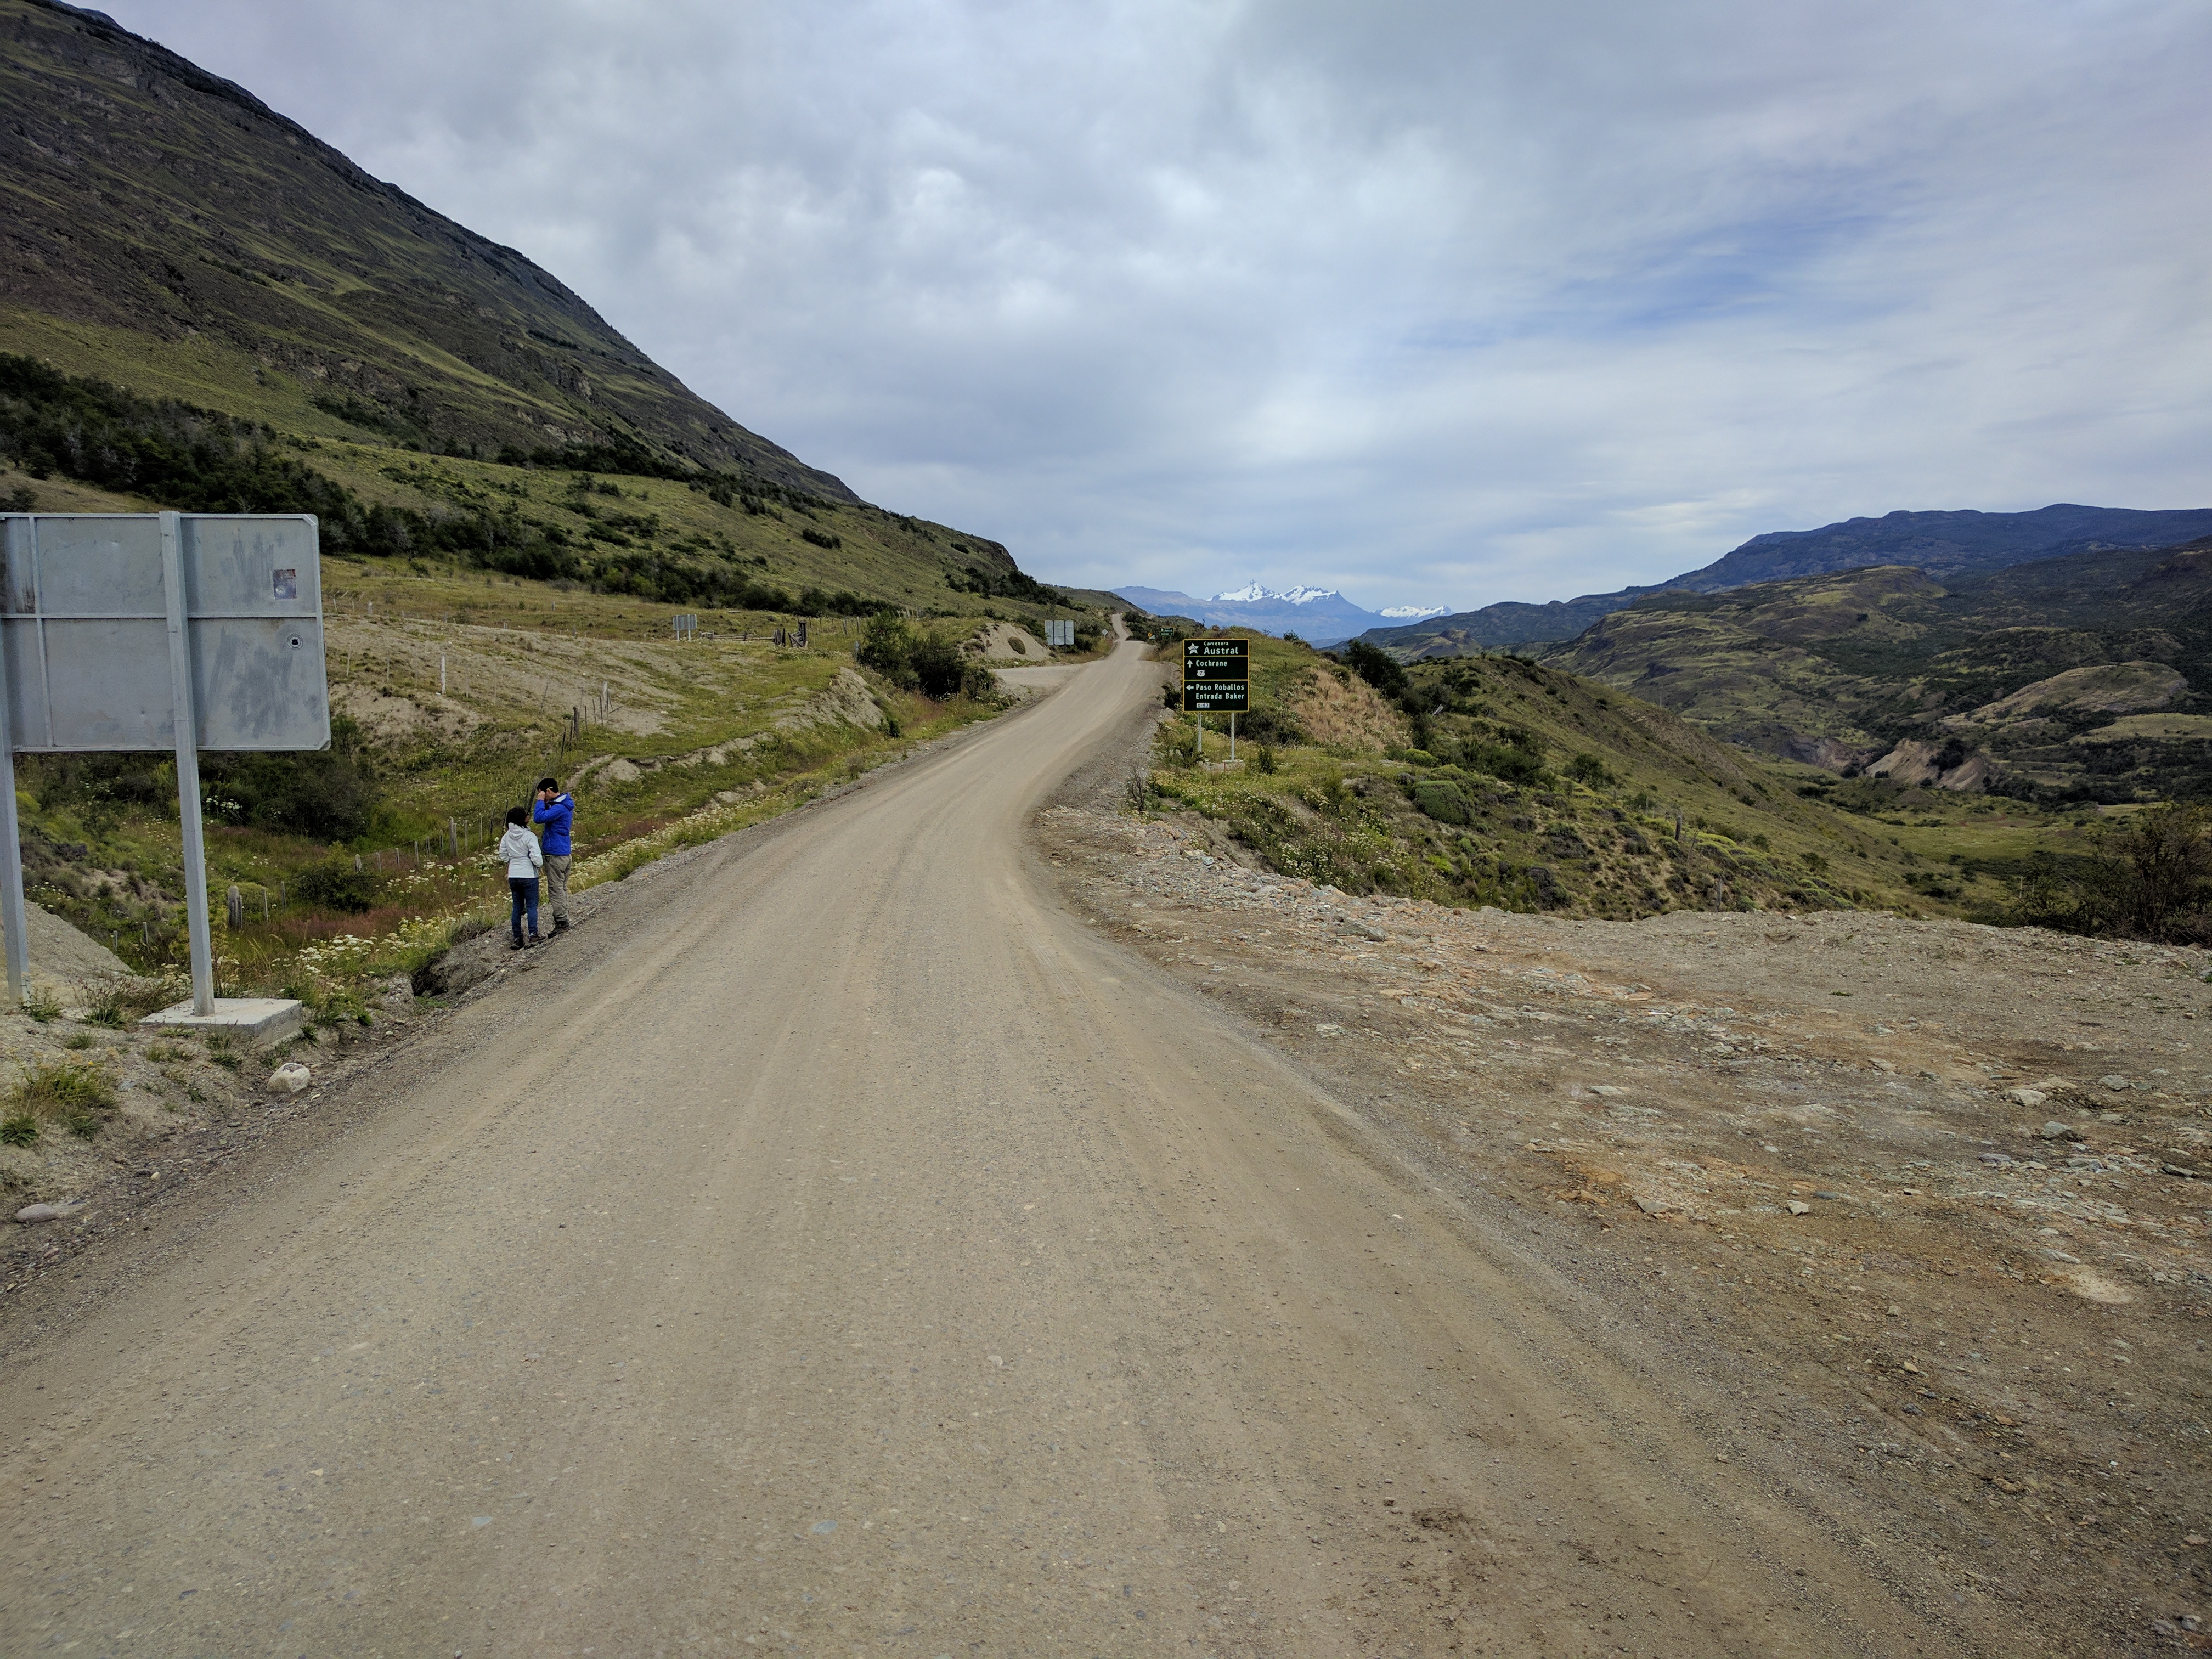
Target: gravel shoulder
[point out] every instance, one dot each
(1916, 1212)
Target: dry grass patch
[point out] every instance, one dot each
(62, 1093)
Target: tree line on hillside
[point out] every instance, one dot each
(1014, 584)
(200, 460)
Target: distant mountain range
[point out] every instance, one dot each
(1321, 615)
(1942, 544)
(2082, 677)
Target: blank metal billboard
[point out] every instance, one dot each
(84, 629)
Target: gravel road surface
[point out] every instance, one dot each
(844, 1249)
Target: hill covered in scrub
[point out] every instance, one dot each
(1504, 781)
(2080, 677)
(77, 444)
(204, 307)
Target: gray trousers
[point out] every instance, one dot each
(556, 885)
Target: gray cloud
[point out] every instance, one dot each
(1450, 302)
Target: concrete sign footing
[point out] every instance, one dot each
(259, 1020)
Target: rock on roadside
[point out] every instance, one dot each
(31, 1214)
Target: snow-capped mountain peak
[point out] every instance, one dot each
(1321, 616)
(1253, 593)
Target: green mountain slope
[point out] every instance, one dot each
(1518, 785)
(204, 306)
(164, 228)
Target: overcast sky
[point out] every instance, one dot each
(1444, 302)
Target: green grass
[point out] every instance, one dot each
(1630, 811)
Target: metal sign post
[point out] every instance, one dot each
(11, 859)
(188, 766)
(157, 631)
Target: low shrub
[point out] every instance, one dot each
(1508, 760)
(938, 668)
(885, 645)
(1379, 669)
(64, 1092)
(1268, 725)
(919, 661)
(1444, 800)
(337, 885)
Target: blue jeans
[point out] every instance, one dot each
(525, 891)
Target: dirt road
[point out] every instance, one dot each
(849, 1249)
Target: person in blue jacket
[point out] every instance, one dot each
(557, 812)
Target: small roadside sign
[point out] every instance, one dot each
(1060, 632)
(1216, 675)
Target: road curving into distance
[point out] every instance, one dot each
(843, 1250)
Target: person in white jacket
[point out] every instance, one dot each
(519, 848)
